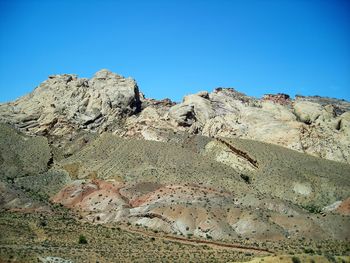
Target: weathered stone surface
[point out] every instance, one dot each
(194, 108)
(344, 123)
(65, 104)
(307, 112)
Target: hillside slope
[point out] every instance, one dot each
(239, 175)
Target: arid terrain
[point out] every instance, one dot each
(93, 171)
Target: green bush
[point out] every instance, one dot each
(82, 239)
(246, 178)
(309, 251)
(296, 259)
(313, 209)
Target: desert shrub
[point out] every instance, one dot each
(312, 209)
(309, 251)
(82, 239)
(42, 223)
(296, 259)
(246, 178)
(331, 258)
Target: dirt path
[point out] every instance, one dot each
(213, 244)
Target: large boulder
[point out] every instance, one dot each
(194, 108)
(307, 111)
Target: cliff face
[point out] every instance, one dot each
(64, 105)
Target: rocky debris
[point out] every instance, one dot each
(64, 104)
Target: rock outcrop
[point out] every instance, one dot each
(65, 104)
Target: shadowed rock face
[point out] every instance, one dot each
(65, 104)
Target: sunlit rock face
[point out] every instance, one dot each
(65, 104)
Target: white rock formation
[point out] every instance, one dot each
(64, 104)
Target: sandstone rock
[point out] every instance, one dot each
(194, 108)
(344, 123)
(183, 114)
(65, 104)
(307, 112)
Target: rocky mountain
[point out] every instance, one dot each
(87, 165)
(66, 104)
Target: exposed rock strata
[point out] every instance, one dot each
(209, 214)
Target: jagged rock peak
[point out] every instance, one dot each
(106, 74)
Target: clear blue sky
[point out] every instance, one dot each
(173, 48)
